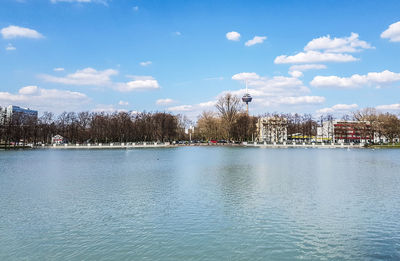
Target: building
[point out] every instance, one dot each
(325, 133)
(340, 131)
(272, 129)
(301, 137)
(57, 139)
(353, 131)
(2, 115)
(379, 138)
(21, 115)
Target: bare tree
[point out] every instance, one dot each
(228, 107)
(209, 126)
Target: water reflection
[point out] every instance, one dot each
(200, 203)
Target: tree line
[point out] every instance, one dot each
(93, 127)
(231, 122)
(382, 124)
(228, 122)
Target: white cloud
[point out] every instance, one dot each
(306, 67)
(10, 47)
(107, 108)
(388, 107)
(164, 101)
(135, 8)
(58, 69)
(138, 83)
(13, 31)
(144, 64)
(45, 99)
(326, 49)
(255, 40)
(356, 80)
(245, 76)
(267, 92)
(181, 108)
(276, 91)
(271, 86)
(296, 74)
(93, 77)
(208, 104)
(338, 108)
(194, 109)
(314, 57)
(301, 100)
(233, 36)
(271, 89)
(87, 76)
(123, 103)
(338, 45)
(392, 33)
(342, 107)
(177, 33)
(29, 90)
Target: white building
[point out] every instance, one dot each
(2, 115)
(13, 112)
(379, 138)
(57, 139)
(325, 133)
(272, 129)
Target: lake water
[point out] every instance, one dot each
(200, 203)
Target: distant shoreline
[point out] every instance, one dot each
(168, 145)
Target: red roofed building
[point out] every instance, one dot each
(353, 131)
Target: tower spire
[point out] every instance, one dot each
(247, 98)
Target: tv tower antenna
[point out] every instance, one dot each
(247, 98)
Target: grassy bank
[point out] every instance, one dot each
(386, 146)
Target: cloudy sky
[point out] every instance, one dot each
(180, 56)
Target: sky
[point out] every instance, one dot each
(179, 56)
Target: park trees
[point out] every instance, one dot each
(228, 107)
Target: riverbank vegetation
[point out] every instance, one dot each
(382, 124)
(94, 127)
(385, 146)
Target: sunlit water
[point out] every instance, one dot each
(200, 203)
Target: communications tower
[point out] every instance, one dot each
(247, 98)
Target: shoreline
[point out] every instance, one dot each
(142, 145)
(167, 145)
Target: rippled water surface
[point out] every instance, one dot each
(200, 203)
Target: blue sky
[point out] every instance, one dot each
(180, 56)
